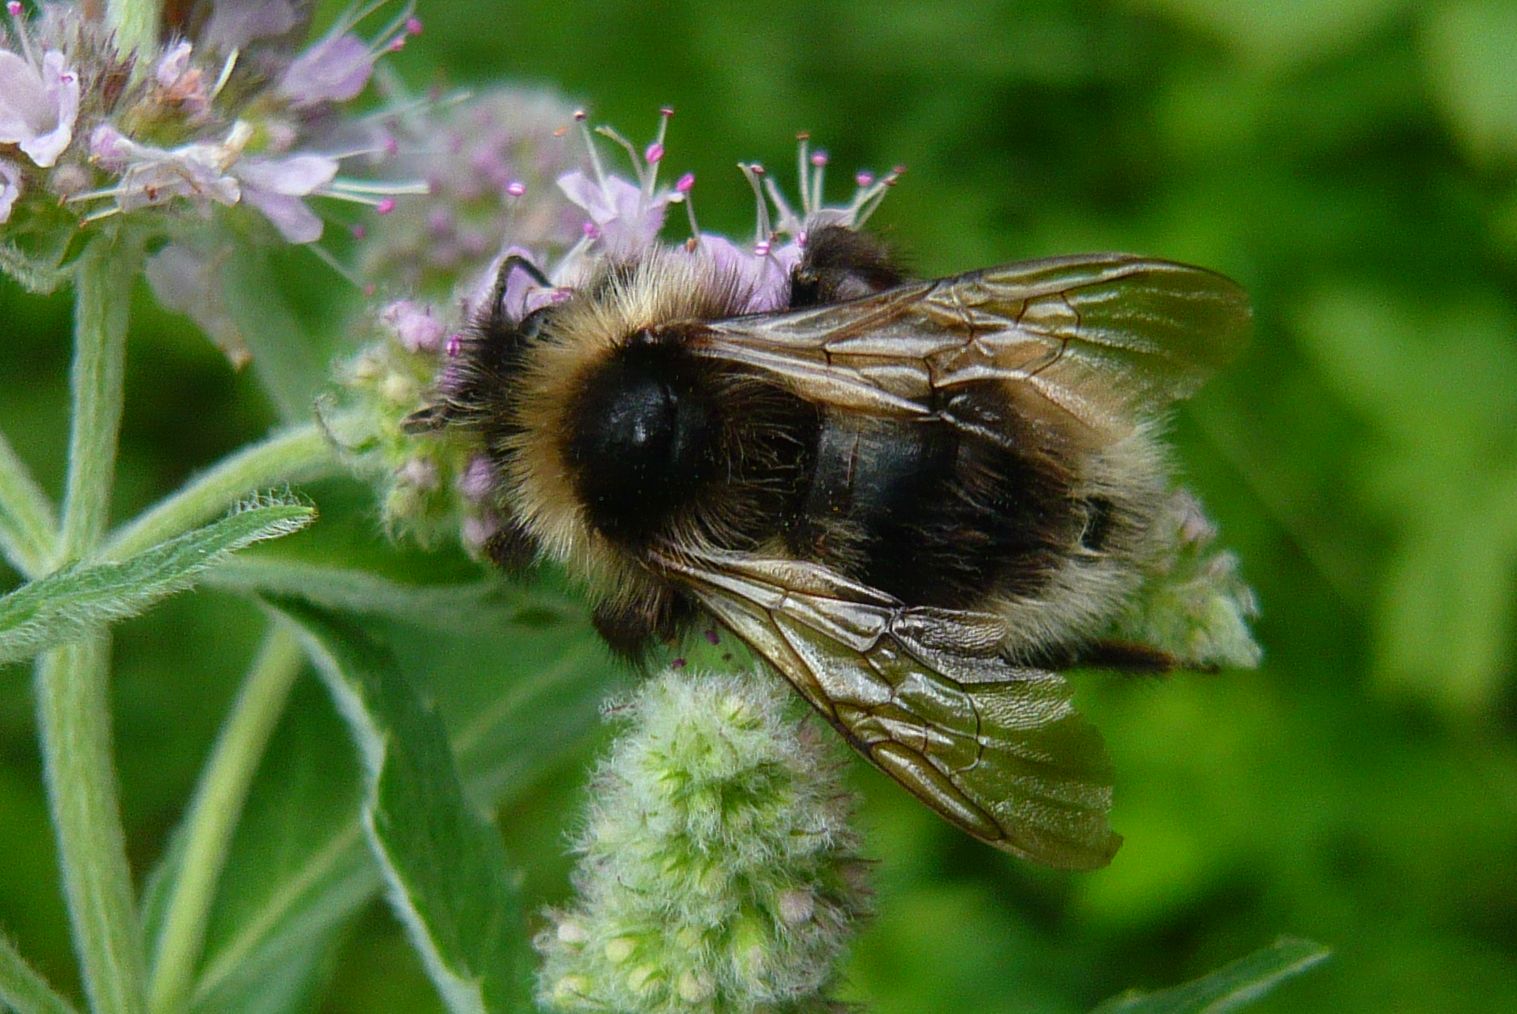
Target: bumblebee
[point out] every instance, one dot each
(916, 499)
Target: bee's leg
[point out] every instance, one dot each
(632, 628)
(511, 549)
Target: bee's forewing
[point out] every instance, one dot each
(928, 697)
(1099, 338)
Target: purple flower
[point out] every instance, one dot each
(275, 187)
(627, 217)
(763, 274)
(186, 280)
(10, 187)
(38, 106)
(235, 23)
(334, 69)
(414, 325)
(152, 176)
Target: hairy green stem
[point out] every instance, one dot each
(213, 816)
(73, 705)
(297, 454)
(104, 285)
(74, 715)
(28, 524)
(23, 990)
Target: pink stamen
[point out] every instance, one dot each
(14, 8)
(864, 179)
(385, 206)
(516, 188)
(761, 248)
(682, 187)
(359, 231)
(455, 345)
(413, 25)
(591, 230)
(666, 111)
(653, 153)
(579, 115)
(819, 159)
(397, 44)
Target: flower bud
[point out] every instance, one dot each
(715, 830)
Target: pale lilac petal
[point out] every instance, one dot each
(38, 112)
(172, 65)
(628, 222)
(185, 281)
(334, 69)
(235, 23)
(21, 103)
(10, 187)
(764, 280)
(587, 193)
(192, 171)
(61, 92)
(295, 222)
(110, 147)
(294, 176)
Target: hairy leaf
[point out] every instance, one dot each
(60, 607)
(1230, 987)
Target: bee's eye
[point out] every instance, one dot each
(637, 440)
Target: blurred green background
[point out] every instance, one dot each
(1351, 162)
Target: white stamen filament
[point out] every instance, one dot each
(753, 173)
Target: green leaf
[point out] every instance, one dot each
(64, 605)
(1228, 988)
(1278, 34)
(455, 608)
(443, 864)
(1468, 51)
(285, 360)
(516, 697)
(37, 275)
(28, 522)
(22, 989)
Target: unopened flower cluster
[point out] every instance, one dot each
(565, 231)
(230, 113)
(717, 869)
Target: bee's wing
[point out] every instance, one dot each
(1102, 338)
(927, 696)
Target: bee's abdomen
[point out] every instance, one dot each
(931, 516)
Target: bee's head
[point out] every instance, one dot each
(639, 439)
